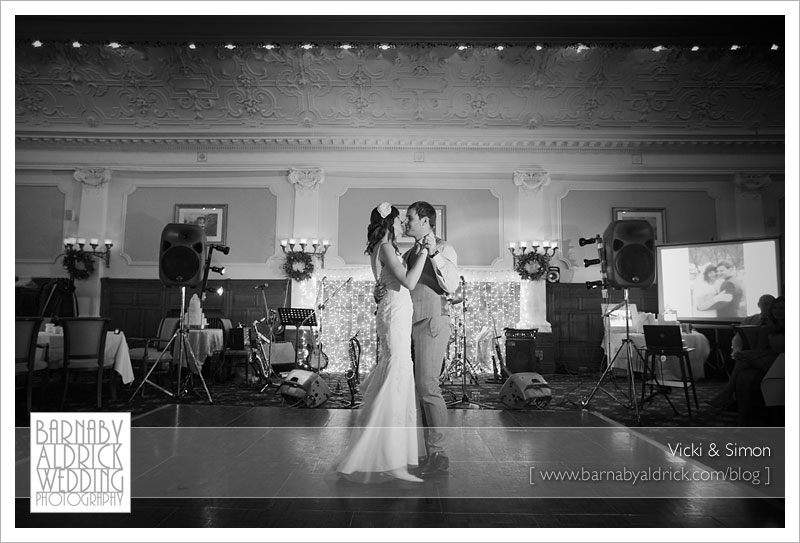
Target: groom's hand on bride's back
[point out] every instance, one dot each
(378, 292)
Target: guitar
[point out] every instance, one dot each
(317, 359)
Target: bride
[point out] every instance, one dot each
(384, 441)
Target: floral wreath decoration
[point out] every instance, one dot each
(298, 265)
(79, 264)
(537, 261)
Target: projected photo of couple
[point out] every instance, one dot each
(717, 281)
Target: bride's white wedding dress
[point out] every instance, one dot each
(384, 441)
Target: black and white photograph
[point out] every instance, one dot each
(400, 271)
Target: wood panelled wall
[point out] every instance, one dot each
(575, 315)
(136, 306)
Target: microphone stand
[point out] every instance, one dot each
(466, 367)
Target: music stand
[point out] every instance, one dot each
(297, 317)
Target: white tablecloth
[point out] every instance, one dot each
(203, 343)
(116, 349)
(672, 370)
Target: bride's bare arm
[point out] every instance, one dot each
(407, 279)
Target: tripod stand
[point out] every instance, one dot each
(184, 347)
(630, 348)
(461, 362)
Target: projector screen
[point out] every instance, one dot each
(717, 281)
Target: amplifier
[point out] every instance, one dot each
(240, 338)
(514, 333)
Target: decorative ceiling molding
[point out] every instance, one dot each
(410, 89)
(400, 142)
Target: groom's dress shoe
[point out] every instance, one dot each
(437, 464)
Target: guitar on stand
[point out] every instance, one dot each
(317, 360)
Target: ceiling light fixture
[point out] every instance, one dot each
(775, 47)
(735, 47)
(695, 48)
(37, 43)
(230, 46)
(539, 47)
(76, 44)
(499, 47)
(115, 45)
(192, 46)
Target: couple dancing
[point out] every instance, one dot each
(411, 292)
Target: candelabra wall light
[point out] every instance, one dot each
(318, 249)
(76, 246)
(548, 249)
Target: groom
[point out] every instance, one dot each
(430, 328)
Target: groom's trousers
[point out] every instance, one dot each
(431, 337)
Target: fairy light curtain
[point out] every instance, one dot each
(492, 300)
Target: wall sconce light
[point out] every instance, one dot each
(318, 249)
(548, 249)
(77, 245)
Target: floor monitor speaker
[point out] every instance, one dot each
(307, 387)
(526, 388)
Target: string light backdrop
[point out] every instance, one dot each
(492, 298)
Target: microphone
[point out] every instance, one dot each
(324, 277)
(349, 280)
(265, 285)
(462, 279)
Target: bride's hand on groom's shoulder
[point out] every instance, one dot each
(378, 292)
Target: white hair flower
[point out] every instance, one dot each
(384, 209)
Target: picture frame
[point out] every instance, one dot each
(656, 216)
(212, 217)
(441, 225)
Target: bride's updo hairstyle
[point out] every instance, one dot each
(381, 220)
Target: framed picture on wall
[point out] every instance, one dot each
(404, 240)
(211, 217)
(656, 216)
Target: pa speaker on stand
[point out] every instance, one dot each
(180, 258)
(629, 247)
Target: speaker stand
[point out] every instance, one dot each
(630, 348)
(182, 336)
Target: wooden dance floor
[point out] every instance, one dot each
(228, 466)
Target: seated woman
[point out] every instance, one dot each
(751, 365)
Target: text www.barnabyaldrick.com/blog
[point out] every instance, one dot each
(755, 476)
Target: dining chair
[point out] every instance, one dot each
(147, 351)
(26, 336)
(84, 353)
